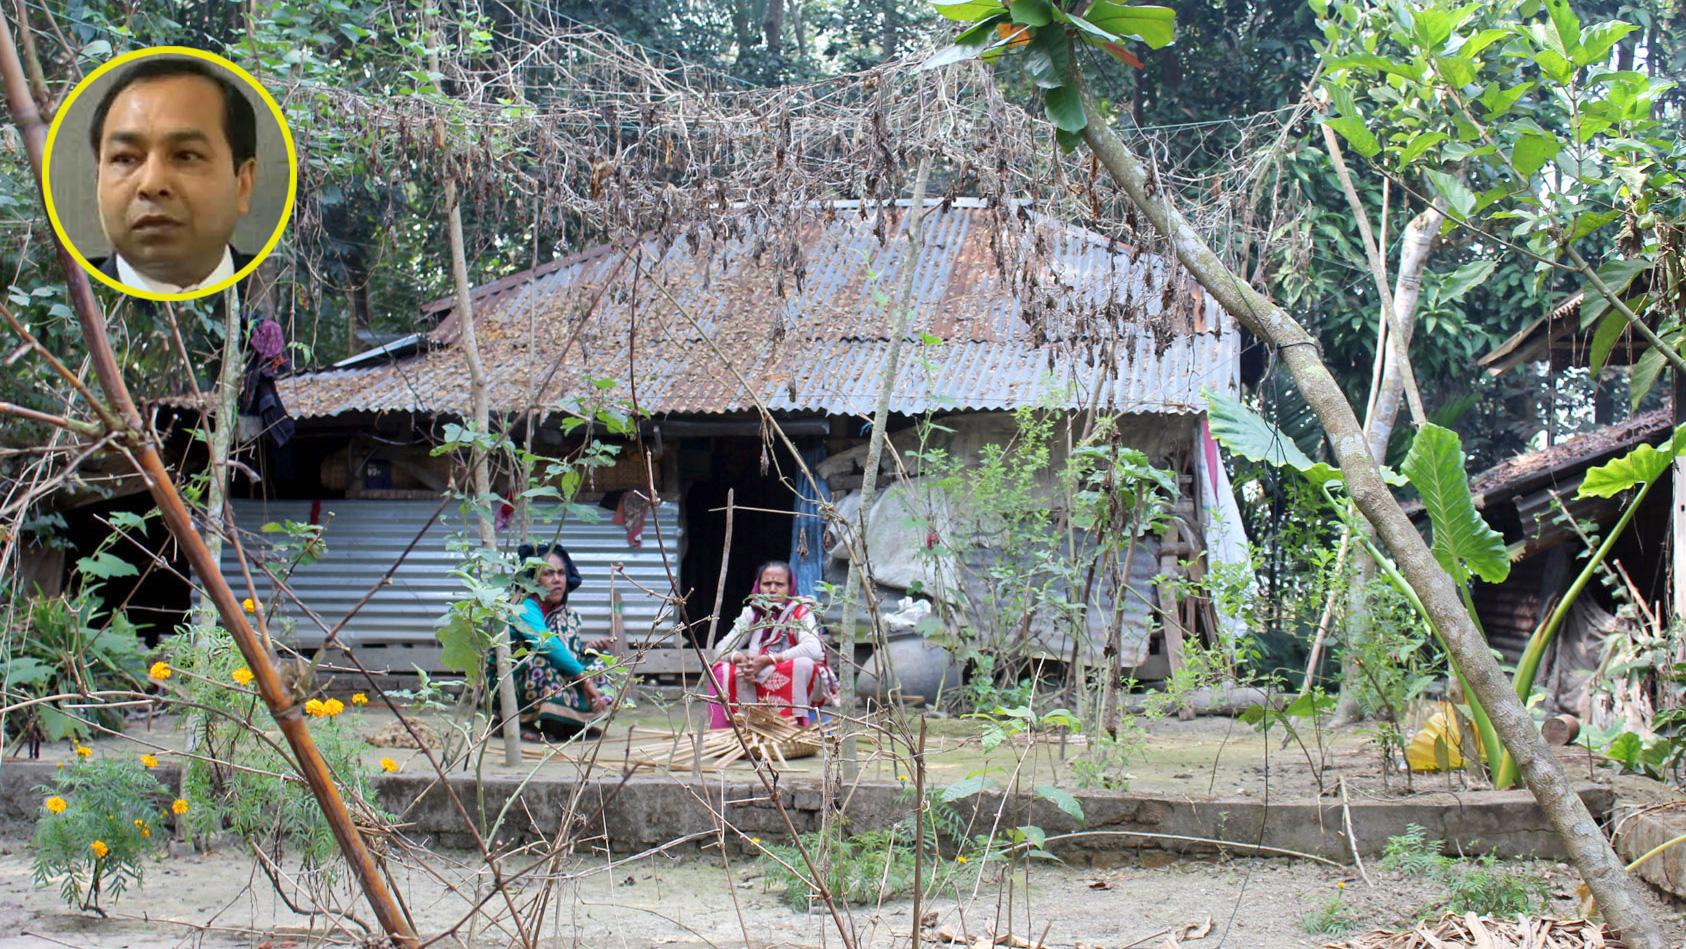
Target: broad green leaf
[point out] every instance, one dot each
(1031, 12)
(127, 520)
(1498, 100)
(1642, 465)
(1556, 68)
(1644, 375)
(1457, 71)
(1604, 340)
(1463, 542)
(1419, 143)
(1434, 25)
(1155, 26)
(106, 565)
(1046, 59)
(1461, 281)
(26, 670)
(1061, 799)
(1532, 152)
(1065, 109)
(1597, 40)
(463, 649)
(1068, 141)
(1481, 40)
(1351, 128)
(1587, 223)
(1617, 275)
(1375, 62)
(1244, 433)
(967, 11)
(963, 788)
(1458, 196)
(1566, 25)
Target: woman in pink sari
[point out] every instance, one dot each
(773, 655)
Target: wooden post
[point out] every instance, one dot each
(1168, 614)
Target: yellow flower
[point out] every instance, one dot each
(178, 806)
(359, 699)
(160, 670)
(388, 765)
(149, 761)
(99, 848)
(250, 605)
(960, 859)
(56, 804)
(755, 840)
(84, 751)
(315, 709)
(146, 832)
(333, 707)
(140, 824)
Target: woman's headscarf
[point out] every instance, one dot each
(531, 552)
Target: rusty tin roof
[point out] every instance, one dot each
(801, 322)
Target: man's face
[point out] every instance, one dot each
(169, 192)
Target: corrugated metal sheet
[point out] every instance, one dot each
(720, 326)
(365, 537)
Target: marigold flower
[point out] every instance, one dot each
(146, 832)
(84, 751)
(178, 806)
(139, 823)
(242, 675)
(333, 707)
(149, 761)
(160, 670)
(250, 605)
(388, 765)
(359, 699)
(56, 804)
(315, 709)
(99, 848)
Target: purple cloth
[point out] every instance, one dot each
(268, 340)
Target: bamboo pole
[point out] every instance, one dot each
(283, 706)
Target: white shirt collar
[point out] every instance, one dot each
(131, 277)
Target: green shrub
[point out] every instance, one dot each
(1478, 886)
(96, 827)
(1333, 918)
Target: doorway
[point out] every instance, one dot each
(761, 525)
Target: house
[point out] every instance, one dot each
(691, 341)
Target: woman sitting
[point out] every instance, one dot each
(555, 690)
(773, 655)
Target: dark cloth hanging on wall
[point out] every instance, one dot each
(266, 358)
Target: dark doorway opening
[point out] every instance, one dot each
(760, 525)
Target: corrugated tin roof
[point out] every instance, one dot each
(800, 321)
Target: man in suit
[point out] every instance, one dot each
(175, 144)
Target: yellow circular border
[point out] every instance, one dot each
(286, 139)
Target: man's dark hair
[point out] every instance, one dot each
(239, 121)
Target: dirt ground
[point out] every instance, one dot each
(215, 900)
(1203, 758)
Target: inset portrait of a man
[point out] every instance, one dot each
(185, 193)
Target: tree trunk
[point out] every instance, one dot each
(772, 27)
(1414, 248)
(480, 478)
(1617, 894)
